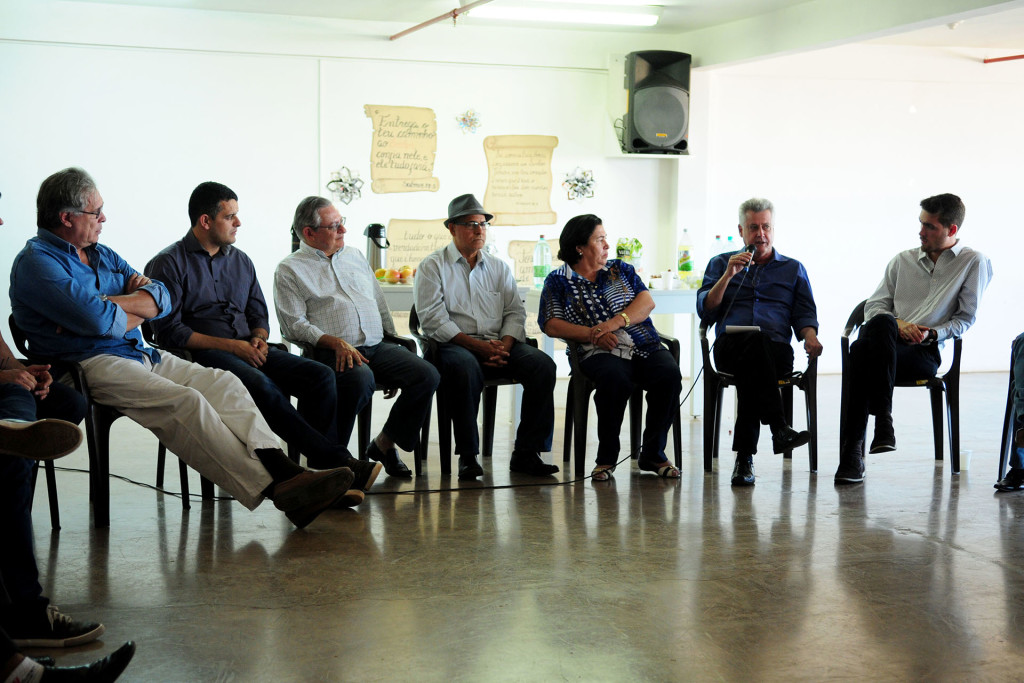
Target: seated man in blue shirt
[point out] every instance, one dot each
(773, 293)
(78, 301)
(218, 312)
(469, 302)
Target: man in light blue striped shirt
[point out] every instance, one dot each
(469, 302)
(929, 294)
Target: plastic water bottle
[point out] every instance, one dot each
(541, 262)
(718, 246)
(730, 245)
(684, 256)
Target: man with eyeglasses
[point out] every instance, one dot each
(79, 301)
(468, 301)
(219, 314)
(329, 302)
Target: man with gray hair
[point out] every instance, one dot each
(773, 294)
(79, 301)
(329, 302)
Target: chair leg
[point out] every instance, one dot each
(444, 433)
(490, 408)
(101, 477)
(787, 412)
(420, 454)
(186, 499)
(712, 396)
(811, 401)
(567, 432)
(161, 458)
(363, 428)
(581, 410)
(1006, 445)
(677, 436)
(936, 396)
(953, 419)
(51, 492)
(206, 488)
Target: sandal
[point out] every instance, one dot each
(663, 469)
(602, 472)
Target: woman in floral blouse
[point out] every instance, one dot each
(605, 307)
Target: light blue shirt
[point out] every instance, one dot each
(482, 302)
(57, 301)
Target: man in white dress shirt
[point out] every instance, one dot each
(329, 302)
(468, 301)
(928, 294)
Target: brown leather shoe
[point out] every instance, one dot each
(306, 495)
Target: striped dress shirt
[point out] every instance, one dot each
(316, 294)
(942, 296)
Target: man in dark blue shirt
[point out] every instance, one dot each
(772, 293)
(218, 312)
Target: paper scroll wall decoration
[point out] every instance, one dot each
(519, 179)
(403, 149)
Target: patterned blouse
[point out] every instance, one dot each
(573, 298)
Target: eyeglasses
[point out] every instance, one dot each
(473, 225)
(336, 227)
(98, 212)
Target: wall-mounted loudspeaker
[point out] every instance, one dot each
(658, 115)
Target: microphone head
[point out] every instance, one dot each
(750, 248)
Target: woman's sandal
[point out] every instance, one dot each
(663, 469)
(602, 472)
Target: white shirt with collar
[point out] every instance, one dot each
(315, 294)
(482, 302)
(942, 296)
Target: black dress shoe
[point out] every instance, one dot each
(743, 470)
(787, 438)
(851, 464)
(525, 462)
(469, 468)
(393, 465)
(885, 436)
(102, 670)
(1011, 481)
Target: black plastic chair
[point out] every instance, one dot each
(98, 419)
(577, 412)
(366, 414)
(715, 383)
(948, 383)
(430, 349)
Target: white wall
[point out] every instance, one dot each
(846, 142)
(152, 122)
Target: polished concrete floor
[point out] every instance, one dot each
(916, 575)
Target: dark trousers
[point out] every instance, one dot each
(614, 379)
(756, 364)
(312, 427)
(878, 361)
(19, 577)
(393, 366)
(462, 377)
(1017, 363)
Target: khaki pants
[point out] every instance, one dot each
(204, 416)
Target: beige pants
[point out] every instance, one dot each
(204, 416)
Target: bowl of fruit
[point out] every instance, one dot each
(396, 276)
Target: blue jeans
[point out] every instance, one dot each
(19, 577)
(312, 427)
(614, 379)
(463, 376)
(390, 365)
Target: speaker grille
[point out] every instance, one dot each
(661, 114)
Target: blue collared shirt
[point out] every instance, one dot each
(55, 299)
(215, 295)
(775, 296)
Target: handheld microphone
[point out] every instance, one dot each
(750, 249)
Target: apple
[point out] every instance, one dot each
(380, 273)
(392, 276)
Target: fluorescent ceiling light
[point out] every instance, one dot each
(565, 16)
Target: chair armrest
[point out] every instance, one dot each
(401, 341)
